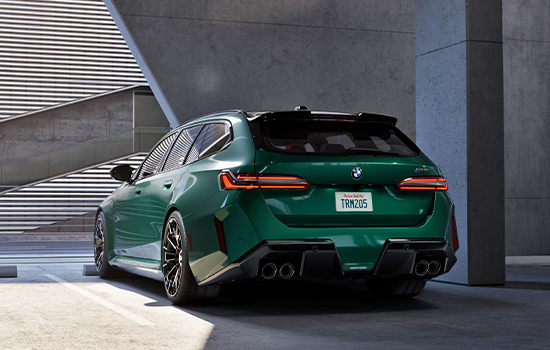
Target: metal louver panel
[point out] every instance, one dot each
(58, 51)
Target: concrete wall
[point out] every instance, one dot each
(147, 111)
(526, 32)
(204, 56)
(66, 138)
(48, 131)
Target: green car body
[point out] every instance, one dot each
(233, 233)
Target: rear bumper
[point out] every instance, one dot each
(401, 257)
(312, 258)
(319, 258)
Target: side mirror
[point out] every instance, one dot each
(122, 172)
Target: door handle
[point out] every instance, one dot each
(138, 192)
(168, 184)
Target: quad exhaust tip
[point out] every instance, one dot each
(286, 271)
(269, 271)
(421, 268)
(431, 268)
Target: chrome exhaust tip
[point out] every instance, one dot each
(421, 268)
(269, 271)
(433, 267)
(286, 271)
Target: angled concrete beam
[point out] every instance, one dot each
(174, 122)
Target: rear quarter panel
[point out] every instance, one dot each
(198, 196)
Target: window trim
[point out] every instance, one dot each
(169, 149)
(230, 141)
(165, 158)
(162, 160)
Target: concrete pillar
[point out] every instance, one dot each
(526, 34)
(460, 124)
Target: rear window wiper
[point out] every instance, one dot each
(370, 151)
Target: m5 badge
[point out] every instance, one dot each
(421, 170)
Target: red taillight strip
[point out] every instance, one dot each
(221, 238)
(230, 181)
(227, 183)
(455, 235)
(429, 183)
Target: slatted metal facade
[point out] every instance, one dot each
(58, 51)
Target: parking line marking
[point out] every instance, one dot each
(138, 319)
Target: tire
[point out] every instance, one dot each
(179, 282)
(101, 255)
(395, 288)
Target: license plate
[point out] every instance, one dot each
(354, 201)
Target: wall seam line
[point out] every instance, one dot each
(441, 48)
(274, 24)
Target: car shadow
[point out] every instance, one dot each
(307, 297)
(295, 297)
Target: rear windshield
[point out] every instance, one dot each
(334, 137)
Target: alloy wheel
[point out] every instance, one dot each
(172, 265)
(99, 243)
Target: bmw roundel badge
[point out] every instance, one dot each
(356, 173)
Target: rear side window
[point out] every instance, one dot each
(213, 138)
(176, 157)
(335, 137)
(152, 162)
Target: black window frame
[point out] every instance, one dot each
(135, 177)
(160, 167)
(229, 142)
(169, 150)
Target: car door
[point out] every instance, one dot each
(158, 190)
(130, 208)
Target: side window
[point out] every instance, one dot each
(212, 138)
(177, 155)
(217, 137)
(194, 151)
(155, 157)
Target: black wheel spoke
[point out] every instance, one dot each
(172, 257)
(172, 244)
(99, 244)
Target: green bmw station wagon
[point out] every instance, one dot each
(279, 195)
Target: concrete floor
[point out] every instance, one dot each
(39, 310)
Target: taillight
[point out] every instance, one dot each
(430, 183)
(230, 181)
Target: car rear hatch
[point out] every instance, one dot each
(353, 165)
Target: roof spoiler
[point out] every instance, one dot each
(306, 114)
(369, 117)
(298, 114)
